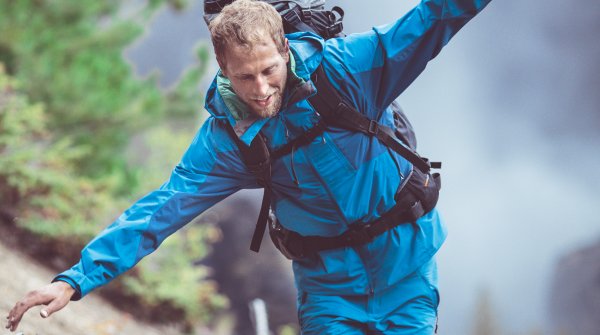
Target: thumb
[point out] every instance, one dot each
(54, 306)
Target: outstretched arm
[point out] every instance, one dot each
(206, 174)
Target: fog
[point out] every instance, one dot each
(511, 108)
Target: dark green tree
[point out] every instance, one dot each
(68, 54)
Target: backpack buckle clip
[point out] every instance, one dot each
(290, 17)
(306, 15)
(373, 127)
(335, 29)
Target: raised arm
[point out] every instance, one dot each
(378, 65)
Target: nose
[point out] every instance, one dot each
(261, 86)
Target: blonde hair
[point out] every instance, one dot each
(246, 23)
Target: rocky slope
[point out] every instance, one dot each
(91, 316)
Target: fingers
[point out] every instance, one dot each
(33, 298)
(56, 296)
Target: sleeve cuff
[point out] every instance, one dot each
(77, 295)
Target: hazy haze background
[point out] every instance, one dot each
(511, 108)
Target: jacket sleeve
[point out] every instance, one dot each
(206, 174)
(378, 65)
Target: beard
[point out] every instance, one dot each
(271, 109)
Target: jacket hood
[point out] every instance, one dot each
(306, 53)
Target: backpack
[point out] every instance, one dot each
(297, 15)
(311, 15)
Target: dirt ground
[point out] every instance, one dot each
(90, 316)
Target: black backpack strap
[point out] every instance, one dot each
(326, 23)
(297, 19)
(330, 105)
(261, 223)
(306, 138)
(257, 159)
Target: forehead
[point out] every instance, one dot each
(251, 58)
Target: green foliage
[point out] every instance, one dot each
(65, 57)
(169, 276)
(36, 176)
(81, 137)
(288, 330)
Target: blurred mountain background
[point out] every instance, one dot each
(510, 106)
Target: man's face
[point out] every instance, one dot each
(258, 76)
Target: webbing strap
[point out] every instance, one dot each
(359, 234)
(261, 223)
(336, 112)
(293, 17)
(327, 24)
(257, 159)
(306, 138)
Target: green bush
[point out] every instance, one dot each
(70, 109)
(37, 180)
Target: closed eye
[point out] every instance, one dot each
(245, 77)
(266, 72)
(269, 70)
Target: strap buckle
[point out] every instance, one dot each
(335, 29)
(290, 17)
(373, 127)
(306, 15)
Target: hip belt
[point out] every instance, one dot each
(410, 206)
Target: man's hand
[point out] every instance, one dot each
(56, 296)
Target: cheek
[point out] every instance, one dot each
(279, 81)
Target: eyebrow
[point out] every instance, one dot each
(246, 75)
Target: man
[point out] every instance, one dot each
(338, 181)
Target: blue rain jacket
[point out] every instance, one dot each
(342, 177)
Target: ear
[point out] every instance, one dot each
(222, 66)
(286, 54)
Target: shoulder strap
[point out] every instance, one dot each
(257, 159)
(336, 112)
(326, 23)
